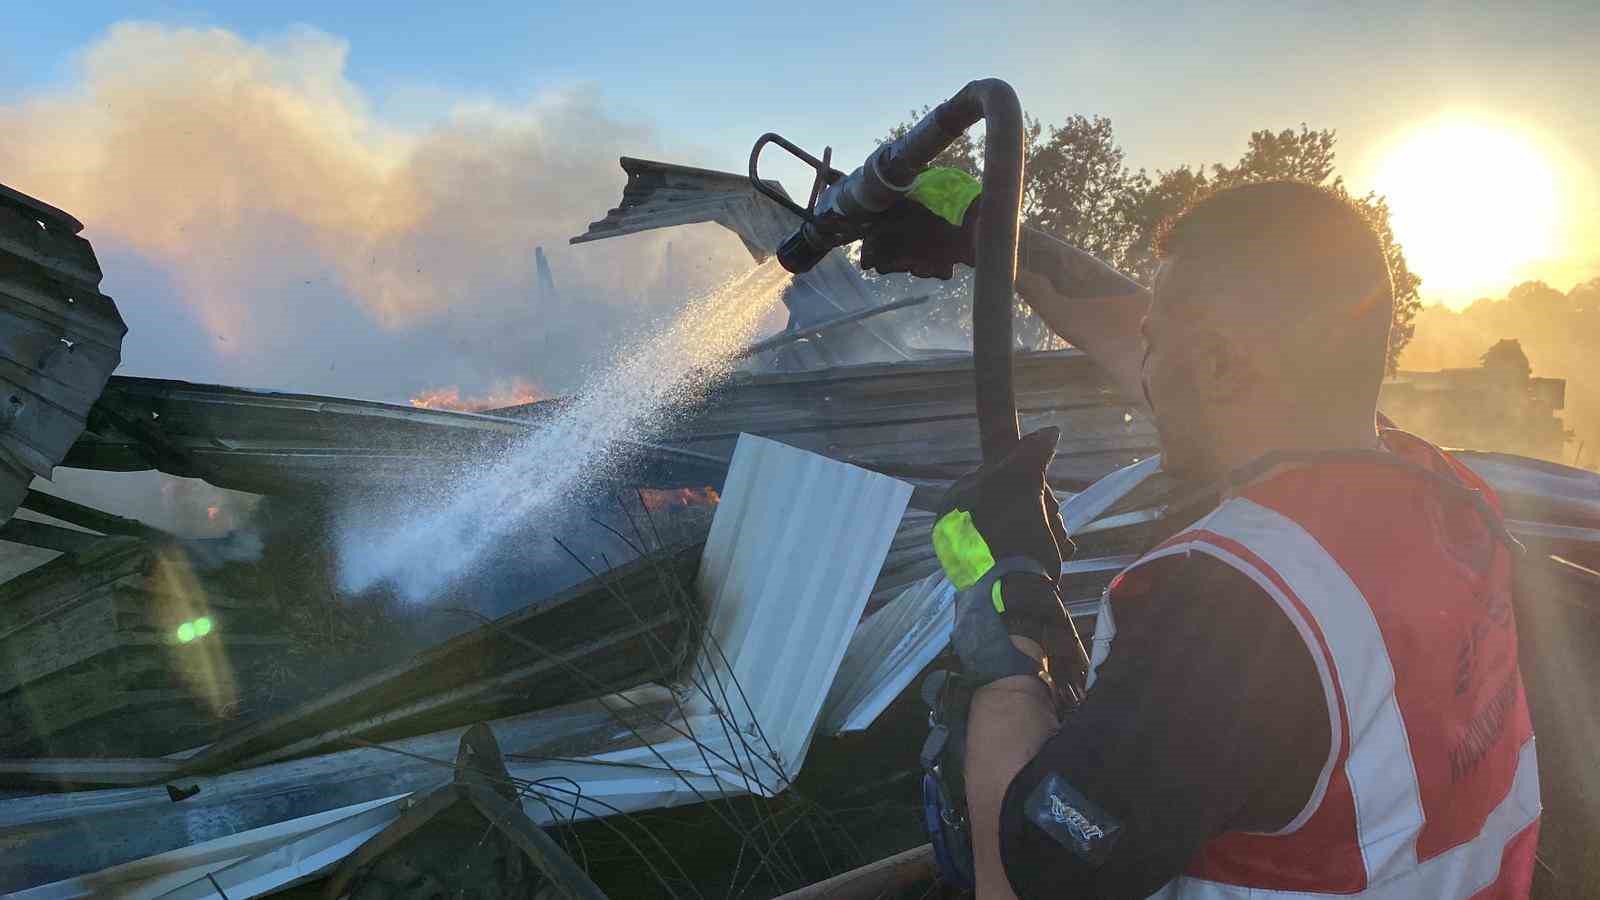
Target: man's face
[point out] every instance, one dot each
(1180, 387)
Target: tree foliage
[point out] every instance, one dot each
(1080, 188)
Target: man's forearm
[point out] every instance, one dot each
(1008, 722)
(1071, 272)
(1086, 301)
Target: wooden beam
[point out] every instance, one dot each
(879, 879)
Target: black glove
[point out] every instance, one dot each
(1000, 514)
(1011, 505)
(910, 237)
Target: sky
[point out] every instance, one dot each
(325, 149)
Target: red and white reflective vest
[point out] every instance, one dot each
(1403, 596)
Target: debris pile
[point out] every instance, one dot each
(721, 624)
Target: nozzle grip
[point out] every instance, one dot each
(798, 254)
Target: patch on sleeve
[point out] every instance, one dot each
(1069, 817)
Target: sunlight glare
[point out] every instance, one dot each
(1472, 204)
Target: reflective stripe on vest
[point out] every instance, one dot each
(1358, 833)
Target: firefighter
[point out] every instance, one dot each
(1311, 686)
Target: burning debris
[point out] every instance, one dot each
(517, 392)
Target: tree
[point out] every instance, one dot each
(1078, 187)
(1172, 191)
(1407, 285)
(1287, 155)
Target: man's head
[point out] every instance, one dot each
(1268, 328)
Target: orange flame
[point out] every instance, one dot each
(514, 393)
(658, 499)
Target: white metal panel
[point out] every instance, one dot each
(1081, 509)
(888, 650)
(795, 548)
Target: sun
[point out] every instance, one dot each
(1472, 203)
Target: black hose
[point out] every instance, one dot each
(884, 179)
(993, 101)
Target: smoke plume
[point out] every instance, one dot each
(260, 223)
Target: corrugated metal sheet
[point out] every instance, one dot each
(888, 650)
(249, 861)
(919, 419)
(1085, 507)
(269, 442)
(794, 551)
(60, 338)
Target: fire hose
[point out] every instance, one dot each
(844, 208)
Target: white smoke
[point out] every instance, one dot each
(259, 223)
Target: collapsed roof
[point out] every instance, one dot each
(614, 685)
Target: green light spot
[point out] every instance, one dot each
(185, 632)
(202, 626)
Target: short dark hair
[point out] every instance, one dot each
(1311, 260)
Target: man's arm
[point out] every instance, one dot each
(1207, 716)
(1086, 301)
(1020, 709)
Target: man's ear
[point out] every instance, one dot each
(1228, 368)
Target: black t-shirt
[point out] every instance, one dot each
(1207, 716)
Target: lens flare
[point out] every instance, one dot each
(1474, 203)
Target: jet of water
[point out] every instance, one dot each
(420, 551)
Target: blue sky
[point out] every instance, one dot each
(1182, 84)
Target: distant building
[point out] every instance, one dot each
(1496, 406)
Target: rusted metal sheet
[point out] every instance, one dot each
(60, 339)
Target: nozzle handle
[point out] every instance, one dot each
(798, 254)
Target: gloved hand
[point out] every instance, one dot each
(930, 230)
(999, 539)
(982, 638)
(1002, 510)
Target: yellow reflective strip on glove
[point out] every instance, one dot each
(946, 192)
(994, 595)
(961, 549)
